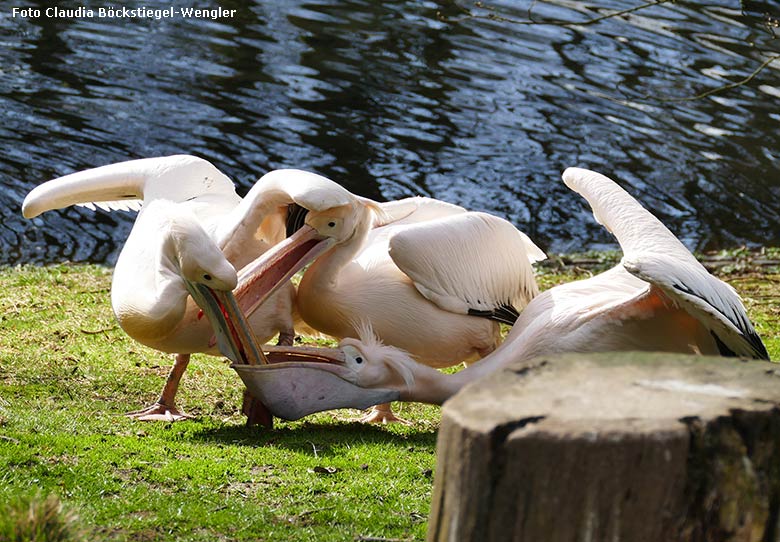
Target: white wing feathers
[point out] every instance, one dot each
(634, 227)
(711, 301)
(533, 252)
(179, 178)
(106, 183)
(118, 205)
(655, 255)
(467, 262)
(415, 209)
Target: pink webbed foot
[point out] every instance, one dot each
(159, 412)
(382, 414)
(164, 410)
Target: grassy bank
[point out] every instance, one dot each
(68, 374)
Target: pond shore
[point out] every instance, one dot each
(721, 263)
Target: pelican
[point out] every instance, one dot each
(148, 295)
(429, 277)
(434, 283)
(659, 298)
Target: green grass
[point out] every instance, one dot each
(73, 467)
(67, 376)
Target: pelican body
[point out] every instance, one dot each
(429, 277)
(147, 295)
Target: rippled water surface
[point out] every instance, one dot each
(468, 104)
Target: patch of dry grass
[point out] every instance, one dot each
(38, 519)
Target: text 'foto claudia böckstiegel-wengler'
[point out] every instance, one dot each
(112, 12)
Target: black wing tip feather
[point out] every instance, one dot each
(740, 321)
(506, 314)
(757, 346)
(724, 350)
(296, 216)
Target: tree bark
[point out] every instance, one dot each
(612, 447)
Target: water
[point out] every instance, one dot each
(399, 98)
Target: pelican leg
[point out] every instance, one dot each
(165, 407)
(383, 414)
(256, 412)
(286, 338)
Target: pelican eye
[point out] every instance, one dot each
(358, 360)
(206, 277)
(331, 224)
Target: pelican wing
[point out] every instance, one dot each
(468, 263)
(123, 185)
(268, 201)
(415, 209)
(653, 254)
(711, 301)
(127, 205)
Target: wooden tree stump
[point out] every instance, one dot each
(627, 447)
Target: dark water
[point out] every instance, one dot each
(397, 98)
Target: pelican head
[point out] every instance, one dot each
(333, 216)
(208, 277)
(341, 223)
(369, 363)
(358, 374)
(178, 258)
(197, 258)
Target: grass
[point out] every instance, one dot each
(73, 467)
(40, 519)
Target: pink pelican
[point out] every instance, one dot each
(427, 276)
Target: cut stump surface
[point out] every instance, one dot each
(612, 447)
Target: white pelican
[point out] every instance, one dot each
(659, 298)
(429, 277)
(148, 296)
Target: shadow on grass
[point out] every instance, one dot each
(299, 436)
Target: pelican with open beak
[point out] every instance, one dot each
(291, 382)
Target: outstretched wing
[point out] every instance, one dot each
(179, 178)
(468, 263)
(655, 255)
